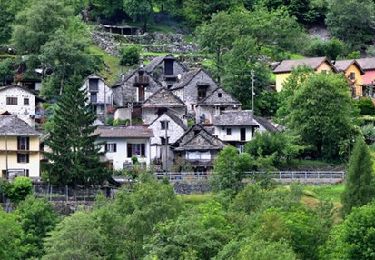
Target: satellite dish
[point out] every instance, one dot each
(179, 76)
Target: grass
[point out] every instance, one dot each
(326, 192)
(195, 199)
(112, 69)
(313, 165)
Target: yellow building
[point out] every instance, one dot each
(285, 68)
(19, 148)
(353, 73)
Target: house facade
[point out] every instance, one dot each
(353, 73)
(20, 101)
(20, 152)
(368, 79)
(99, 95)
(123, 143)
(285, 68)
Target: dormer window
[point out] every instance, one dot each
(202, 91)
(93, 85)
(220, 94)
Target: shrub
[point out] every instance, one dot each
(19, 189)
(130, 55)
(332, 48)
(119, 122)
(365, 106)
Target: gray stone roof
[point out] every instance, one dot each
(149, 68)
(197, 138)
(343, 65)
(163, 98)
(175, 118)
(186, 78)
(14, 126)
(288, 65)
(124, 131)
(266, 124)
(220, 97)
(17, 86)
(235, 118)
(367, 63)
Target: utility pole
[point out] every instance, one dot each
(165, 164)
(252, 91)
(6, 155)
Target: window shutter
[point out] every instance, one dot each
(106, 147)
(115, 147)
(130, 153)
(142, 149)
(27, 158)
(18, 142)
(27, 143)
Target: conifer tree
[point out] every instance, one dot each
(74, 158)
(359, 188)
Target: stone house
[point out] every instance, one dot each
(159, 102)
(198, 148)
(20, 151)
(23, 102)
(215, 104)
(99, 95)
(130, 93)
(235, 127)
(166, 70)
(122, 143)
(167, 129)
(194, 87)
(368, 79)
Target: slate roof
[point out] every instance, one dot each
(149, 68)
(215, 99)
(235, 118)
(14, 126)
(288, 65)
(17, 86)
(367, 63)
(266, 124)
(163, 98)
(175, 118)
(186, 78)
(124, 131)
(343, 65)
(197, 138)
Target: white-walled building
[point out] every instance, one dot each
(168, 127)
(22, 102)
(99, 95)
(121, 143)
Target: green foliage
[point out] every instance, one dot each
(76, 237)
(281, 147)
(75, 156)
(34, 26)
(118, 122)
(368, 132)
(37, 218)
(201, 233)
(107, 9)
(266, 103)
(321, 113)
(230, 168)
(332, 48)
(10, 236)
(359, 187)
(139, 10)
(365, 106)
(19, 189)
(7, 71)
(354, 238)
(130, 55)
(352, 21)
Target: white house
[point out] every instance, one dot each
(167, 126)
(121, 143)
(22, 102)
(99, 95)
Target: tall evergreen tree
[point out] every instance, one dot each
(359, 188)
(74, 157)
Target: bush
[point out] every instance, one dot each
(130, 55)
(332, 48)
(365, 106)
(19, 189)
(368, 132)
(119, 122)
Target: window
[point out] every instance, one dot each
(93, 85)
(26, 101)
(110, 148)
(93, 97)
(162, 139)
(22, 158)
(164, 125)
(229, 131)
(352, 76)
(23, 143)
(219, 94)
(324, 71)
(11, 101)
(136, 150)
(202, 91)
